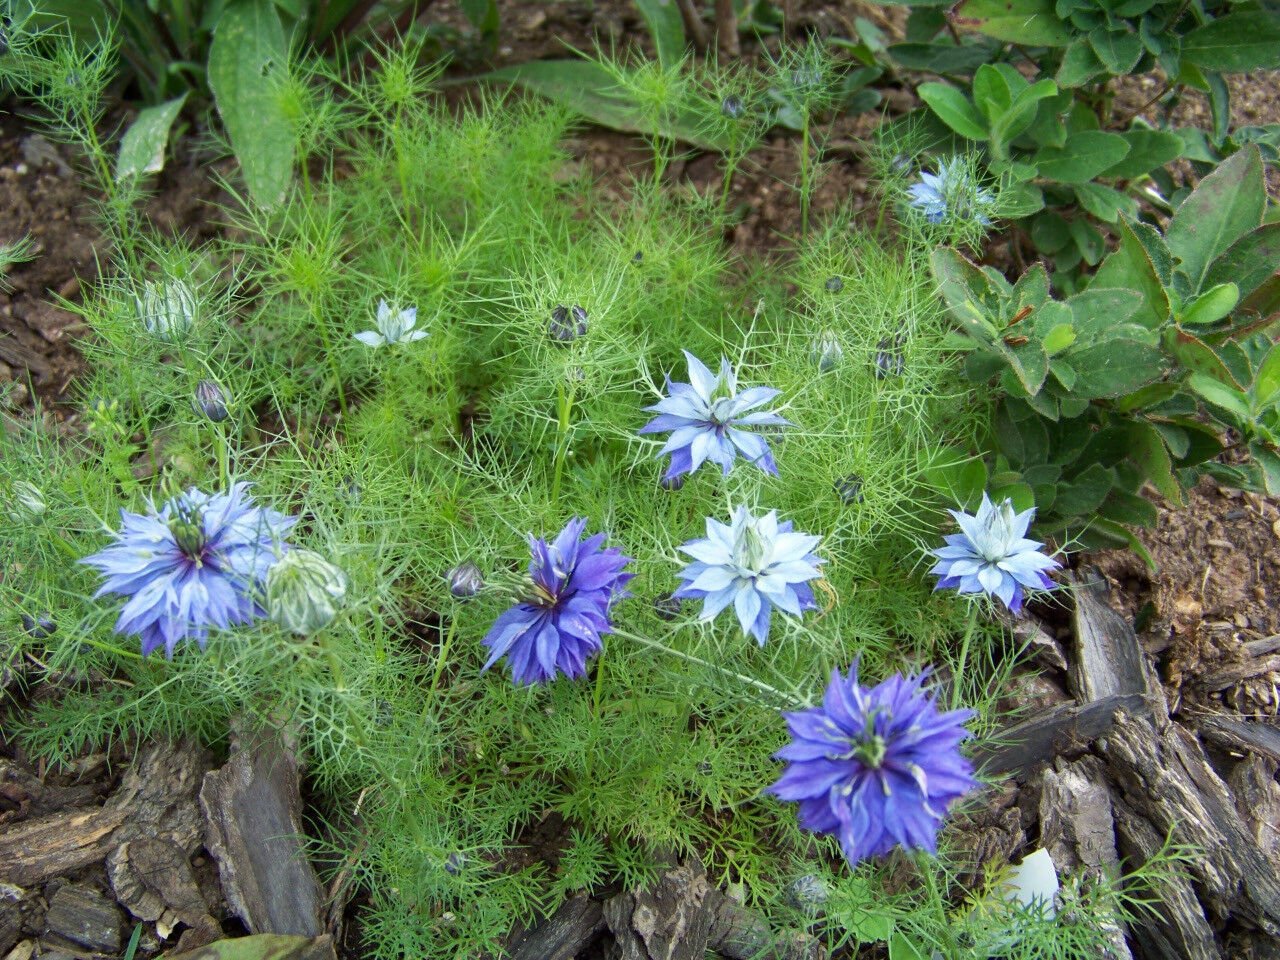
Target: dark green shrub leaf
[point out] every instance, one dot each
(1220, 395)
(1197, 357)
(1249, 262)
(483, 15)
(1148, 149)
(1079, 64)
(666, 26)
(1031, 22)
(1105, 203)
(954, 109)
(1085, 156)
(1226, 205)
(1211, 306)
(1118, 50)
(1131, 267)
(1235, 43)
(1049, 232)
(1269, 461)
(1266, 383)
(249, 50)
(1057, 340)
(1089, 241)
(1084, 493)
(944, 58)
(1099, 311)
(1130, 509)
(957, 475)
(1151, 455)
(968, 291)
(1116, 367)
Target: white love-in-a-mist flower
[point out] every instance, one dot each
(394, 326)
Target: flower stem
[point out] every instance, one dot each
(962, 663)
(804, 175)
(443, 658)
(690, 658)
(564, 409)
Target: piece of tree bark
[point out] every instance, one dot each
(1238, 735)
(81, 918)
(1257, 797)
(33, 851)
(668, 921)
(1175, 927)
(1239, 672)
(1107, 659)
(1068, 728)
(727, 28)
(1029, 632)
(31, 797)
(740, 934)
(152, 878)
(563, 935)
(1166, 777)
(252, 810)
(1076, 826)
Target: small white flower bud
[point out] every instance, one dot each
(304, 591)
(167, 309)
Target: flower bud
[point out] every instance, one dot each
(39, 628)
(211, 400)
(639, 257)
(304, 591)
(567, 326)
(454, 863)
(849, 489)
(673, 483)
(834, 284)
(733, 107)
(167, 309)
(26, 502)
(825, 352)
(807, 893)
(667, 606)
(465, 580)
(890, 361)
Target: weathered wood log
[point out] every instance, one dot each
(152, 878)
(35, 850)
(1232, 674)
(81, 918)
(253, 815)
(1238, 735)
(1257, 797)
(741, 934)
(1035, 639)
(563, 935)
(1076, 826)
(33, 798)
(1175, 927)
(1067, 729)
(668, 921)
(1166, 778)
(1107, 659)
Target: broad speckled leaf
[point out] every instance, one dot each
(1031, 22)
(1149, 453)
(1119, 50)
(1115, 367)
(666, 26)
(942, 58)
(968, 291)
(1084, 157)
(1249, 262)
(1099, 311)
(1148, 149)
(143, 145)
(1079, 64)
(249, 50)
(585, 86)
(1105, 203)
(1211, 306)
(1131, 267)
(264, 946)
(1196, 356)
(1220, 395)
(1226, 205)
(1235, 43)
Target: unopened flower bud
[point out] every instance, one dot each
(733, 107)
(454, 863)
(667, 606)
(849, 489)
(167, 309)
(807, 893)
(834, 284)
(304, 591)
(826, 351)
(639, 257)
(465, 580)
(39, 628)
(890, 360)
(211, 400)
(567, 325)
(26, 502)
(672, 483)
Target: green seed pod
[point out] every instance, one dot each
(304, 591)
(167, 309)
(26, 502)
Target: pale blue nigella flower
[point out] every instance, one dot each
(951, 194)
(705, 418)
(198, 562)
(558, 625)
(394, 326)
(875, 766)
(754, 563)
(991, 555)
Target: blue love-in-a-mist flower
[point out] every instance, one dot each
(754, 563)
(559, 624)
(706, 417)
(951, 194)
(394, 326)
(198, 562)
(991, 555)
(877, 767)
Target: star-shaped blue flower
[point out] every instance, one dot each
(754, 563)
(877, 767)
(991, 555)
(951, 194)
(706, 418)
(196, 563)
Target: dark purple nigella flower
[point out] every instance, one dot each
(709, 419)
(559, 625)
(199, 561)
(566, 324)
(877, 767)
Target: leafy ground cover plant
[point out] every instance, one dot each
(433, 360)
(1137, 378)
(1070, 163)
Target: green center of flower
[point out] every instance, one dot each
(752, 550)
(871, 750)
(187, 527)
